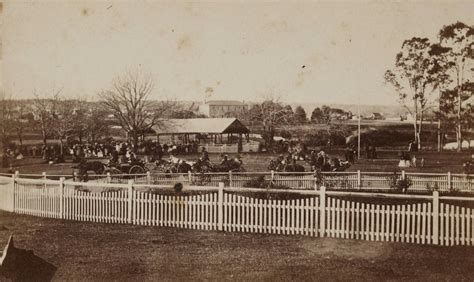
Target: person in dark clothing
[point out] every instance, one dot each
(374, 152)
(204, 155)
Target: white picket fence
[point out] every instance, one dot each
(360, 181)
(430, 219)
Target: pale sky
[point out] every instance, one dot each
(242, 50)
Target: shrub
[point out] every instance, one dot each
(260, 182)
(285, 134)
(400, 185)
(178, 187)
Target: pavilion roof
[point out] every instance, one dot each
(201, 125)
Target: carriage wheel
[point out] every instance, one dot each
(136, 169)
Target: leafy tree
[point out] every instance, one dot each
(300, 115)
(455, 50)
(414, 79)
(448, 109)
(321, 115)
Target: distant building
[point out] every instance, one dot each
(223, 108)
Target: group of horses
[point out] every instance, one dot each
(319, 162)
(315, 161)
(160, 165)
(199, 166)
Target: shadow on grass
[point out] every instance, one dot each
(23, 265)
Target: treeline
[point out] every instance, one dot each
(437, 75)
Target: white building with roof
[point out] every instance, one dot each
(223, 108)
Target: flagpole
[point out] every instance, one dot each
(358, 130)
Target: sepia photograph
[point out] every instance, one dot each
(237, 140)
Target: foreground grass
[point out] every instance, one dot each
(124, 252)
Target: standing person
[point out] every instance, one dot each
(413, 161)
(374, 152)
(204, 155)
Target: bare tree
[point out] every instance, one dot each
(6, 120)
(22, 120)
(96, 124)
(63, 118)
(128, 100)
(270, 114)
(42, 108)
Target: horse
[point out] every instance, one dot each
(96, 166)
(202, 166)
(84, 167)
(229, 165)
(276, 166)
(181, 167)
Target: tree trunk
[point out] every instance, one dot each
(415, 123)
(418, 135)
(44, 139)
(20, 139)
(135, 142)
(458, 129)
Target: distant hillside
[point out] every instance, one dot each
(365, 110)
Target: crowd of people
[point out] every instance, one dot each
(116, 150)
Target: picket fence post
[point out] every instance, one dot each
(148, 177)
(61, 197)
(12, 190)
(230, 178)
(403, 175)
(359, 181)
(44, 178)
(130, 200)
(190, 177)
(435, 217)
(449, 181)
(220, 207)
(322, 211)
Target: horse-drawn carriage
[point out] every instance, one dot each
(99, 168)
(135, 167)
(280, 166)
(323, 162)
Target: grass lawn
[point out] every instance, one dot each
(93, 251)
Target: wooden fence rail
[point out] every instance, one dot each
(421, 219)
(357, 180)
